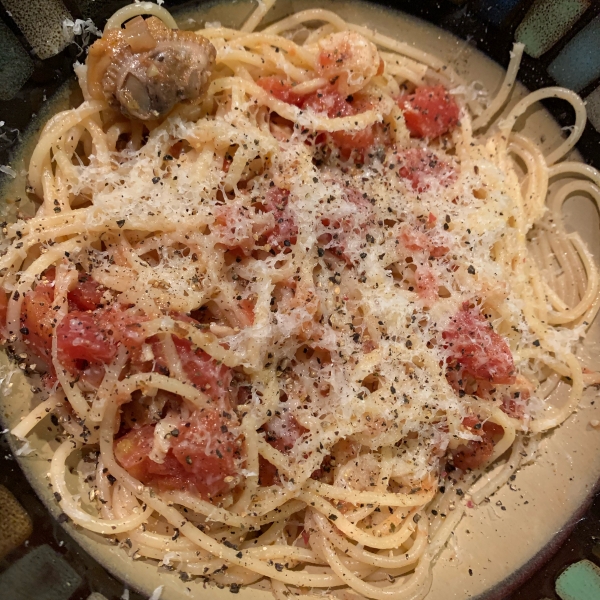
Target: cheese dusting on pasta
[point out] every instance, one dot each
(289, 294)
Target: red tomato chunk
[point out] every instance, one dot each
(427, 284)
(201, 369)
(421, 167)
(281, 89)
(477, 350)
(202, 456)
(474, 453)
(330, 102)
(429, 112)
(37, 320)
(81, 338)
(285, 231)
(87, 295)
(281, 432)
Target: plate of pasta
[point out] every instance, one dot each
(300, 309)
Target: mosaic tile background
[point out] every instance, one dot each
(562, 46)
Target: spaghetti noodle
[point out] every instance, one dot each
(289, 294)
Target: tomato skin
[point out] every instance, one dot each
(477, 350)
(201, 457)
(429, 112)
(474, 453)
(281, 90)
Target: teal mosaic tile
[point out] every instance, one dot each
(580, 581)
(41, 22)
(546, 22)
(592, 105)
(16, 65)
(578, 64)
(41, 575)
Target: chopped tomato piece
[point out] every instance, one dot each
(438, 251)
(330, 102)
(237, 228)
(427, 285)
(285, 231)
(421, 167)
(417, 241)
(202, 456)
(474, 453)
(282, 432)
(282, 90)
(247, 308)
(267, 473)
(85, 339)
(515, 399)
(123, 325)
(87, 295)
(3, 307)
(477, 350)
(37, 320)
(81, 338)
(413, 239)
(430, 111)
(234, 227)
(202, 370)
(340, 229)
(347, 141)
